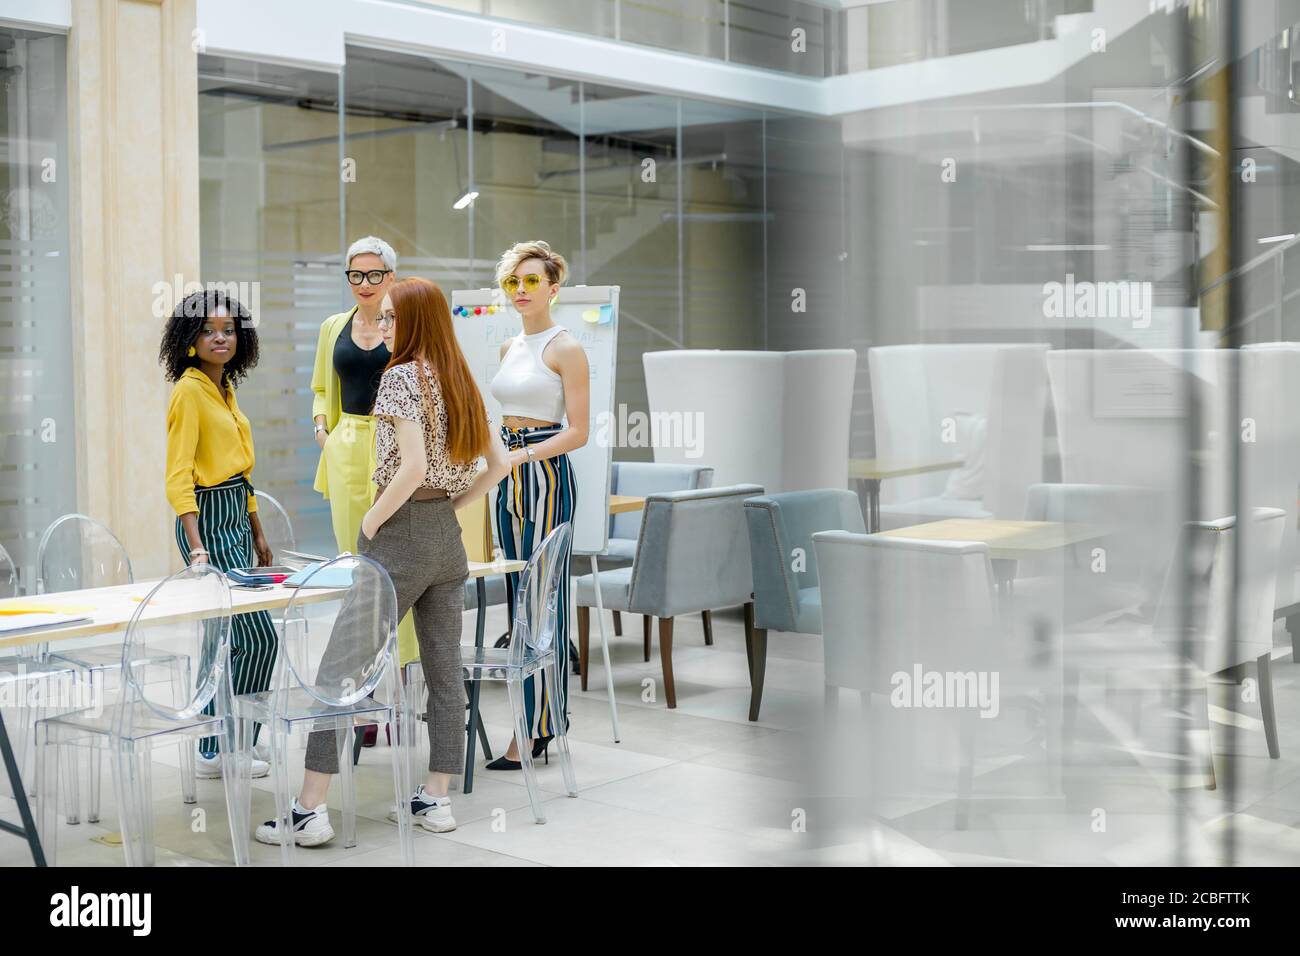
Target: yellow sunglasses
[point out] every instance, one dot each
(531, 283)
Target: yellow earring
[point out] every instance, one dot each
(192, 352)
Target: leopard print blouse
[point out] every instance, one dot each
(399, 397)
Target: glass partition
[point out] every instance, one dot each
(38, 424)
(1071, 303)
(790, 36)
(270, 178)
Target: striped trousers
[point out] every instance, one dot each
(532, 501)
(227, 534)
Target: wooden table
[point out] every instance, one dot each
(868, 473)
(109, 611)
(622, 504)
(1008, 541)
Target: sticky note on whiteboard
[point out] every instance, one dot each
(591, 315)
(606, 314)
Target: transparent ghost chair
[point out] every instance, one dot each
(186, 615)
(32, 686)
(276, 526)
(349, 612)
(8, 575)
(531, 651)
(280, 538)
(78, 552)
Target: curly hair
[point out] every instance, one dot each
(183, 329)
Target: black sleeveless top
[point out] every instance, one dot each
(359, 372)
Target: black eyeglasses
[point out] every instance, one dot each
(373, 277)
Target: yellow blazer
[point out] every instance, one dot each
(326, 398)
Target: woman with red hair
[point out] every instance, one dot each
(431, 429)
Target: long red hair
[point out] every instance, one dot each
(424, 335)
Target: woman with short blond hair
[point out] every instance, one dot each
(543, 386)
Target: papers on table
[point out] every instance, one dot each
(12, 622)
(299, 560)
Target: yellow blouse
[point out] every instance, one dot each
(209, 440)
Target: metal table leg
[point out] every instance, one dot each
(28, 828)
(604, 649)
(869, 496)
(475, 729)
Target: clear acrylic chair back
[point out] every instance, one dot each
(276, 526)
(536, 605)
(351, 632)
(78, 552)
(185, 616)
(8, 575)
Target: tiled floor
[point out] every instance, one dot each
(703, 785)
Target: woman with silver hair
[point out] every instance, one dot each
(350, 360)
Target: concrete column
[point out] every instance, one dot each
(133, 149)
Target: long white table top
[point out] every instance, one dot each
(109, 610)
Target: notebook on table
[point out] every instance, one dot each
(260, 576)
(337, 575)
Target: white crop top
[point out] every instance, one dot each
(525, 386)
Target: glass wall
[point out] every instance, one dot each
(270, 175)
(792, 36)
(1077, 303)
(407, 127)
(38, 433)
(659, 195)
(904, 31)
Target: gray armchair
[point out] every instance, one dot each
(642, 478)
(692, 554)
(787, 593)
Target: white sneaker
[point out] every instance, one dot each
(432, 813)
(310, 827)
(209, 768)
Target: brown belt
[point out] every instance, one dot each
(422, 494)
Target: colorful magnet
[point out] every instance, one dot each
(591, 315)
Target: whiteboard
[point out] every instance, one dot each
(480, 338)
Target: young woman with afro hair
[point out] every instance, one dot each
(208, 346)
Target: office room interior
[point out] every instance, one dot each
(869, 427)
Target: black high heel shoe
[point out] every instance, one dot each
(540, 746)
